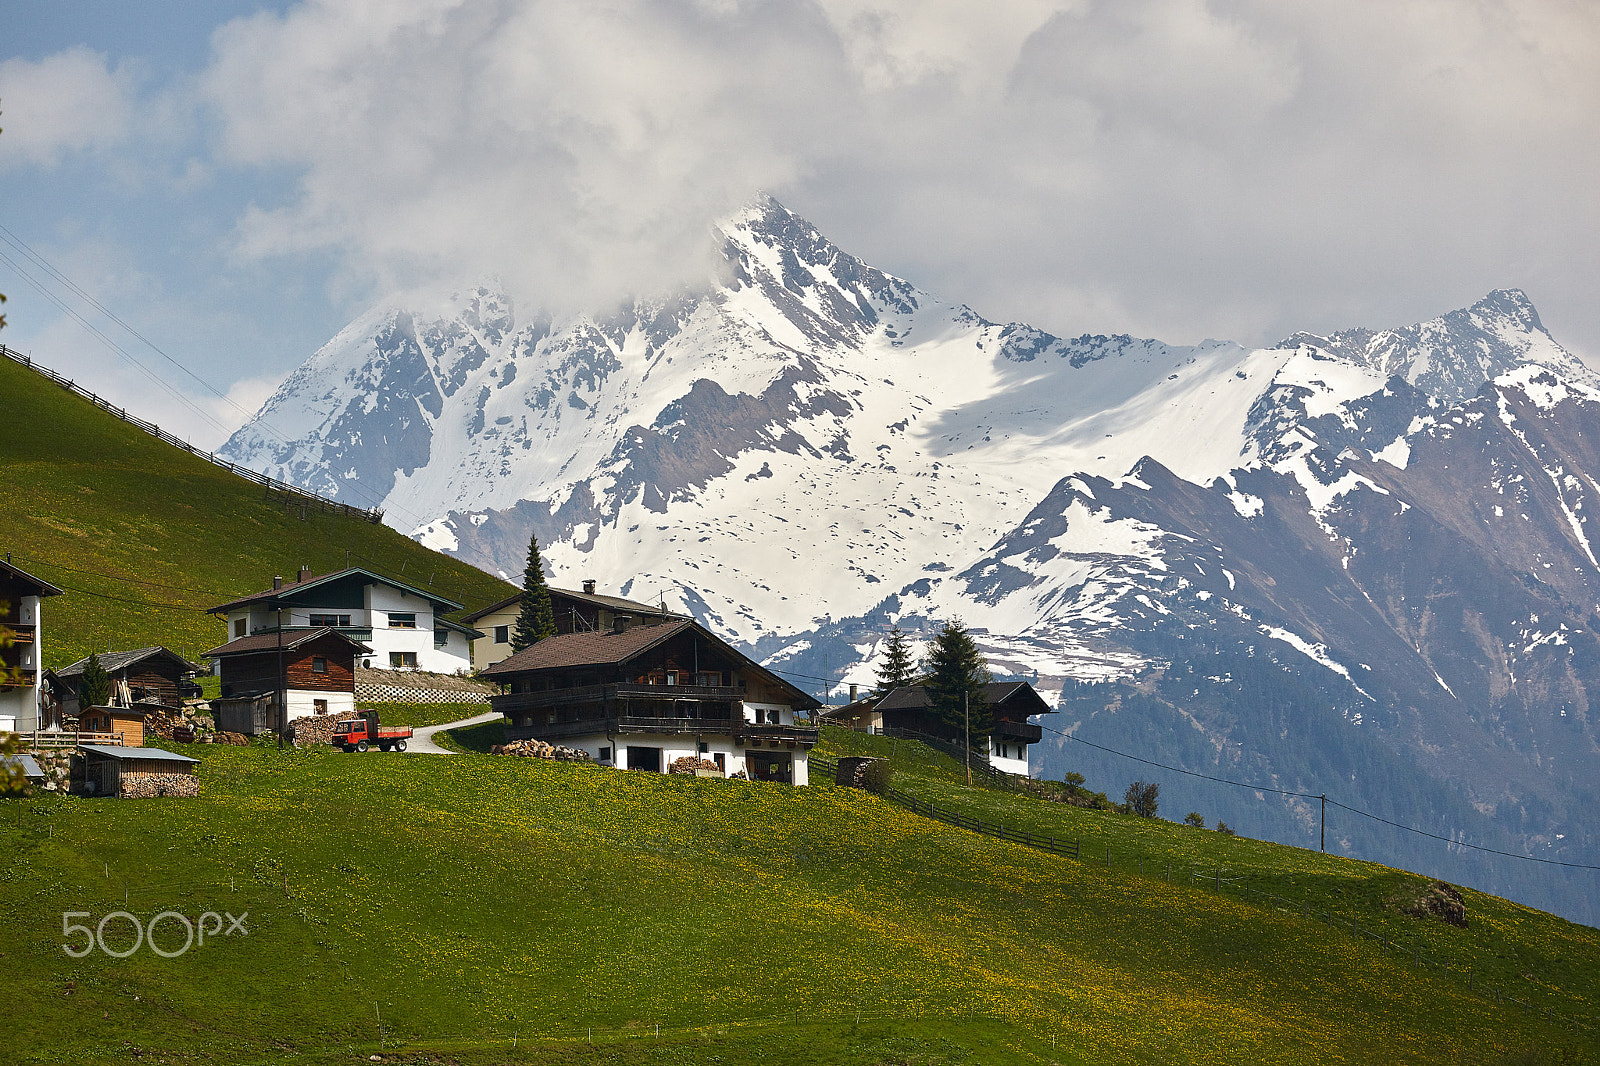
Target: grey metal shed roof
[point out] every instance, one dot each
(116, 751)
(29, 767)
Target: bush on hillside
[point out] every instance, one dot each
(1196, 819)
(1140, 798)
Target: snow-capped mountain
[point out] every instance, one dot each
(1388, 529)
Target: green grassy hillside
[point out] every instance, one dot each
(145, 537)
(473, 901)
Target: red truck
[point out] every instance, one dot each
(358, 734)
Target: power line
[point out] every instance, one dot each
(1319, 796)
(250, 419)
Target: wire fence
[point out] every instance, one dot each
(287, 492)
(1411, 951)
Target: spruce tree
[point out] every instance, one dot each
(957, 674)
(897, 669)
(537, 619)
(95, 688)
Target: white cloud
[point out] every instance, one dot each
(1181, 168)
(68, 102)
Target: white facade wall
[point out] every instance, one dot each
(676, 746)
(1009, 757)
(761, 713)
(379, 602)
(302, 702)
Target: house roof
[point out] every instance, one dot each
(296, 589)
(611, 603)
(270, 641)
(21, 577)
(122, 754)
(116, 661)
(1018, 694)
(607, 647)
(126, 712)
(602, 647)
(30, 769)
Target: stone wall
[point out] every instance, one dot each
(418, 686)
(147, 786)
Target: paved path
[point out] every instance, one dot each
(422, 739)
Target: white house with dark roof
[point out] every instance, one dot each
(402, 625)
(640, 697)
(21, 595)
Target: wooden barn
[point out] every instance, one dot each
(119, 725)
(153, 675)
(313, 671)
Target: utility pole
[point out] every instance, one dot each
(1324, 821)
(966, 718)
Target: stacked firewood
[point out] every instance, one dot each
(538, 749)
(183, 725)
(148, 786)
(689, 764)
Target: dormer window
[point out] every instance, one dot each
(239, 626)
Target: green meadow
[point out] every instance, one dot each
(487, 909)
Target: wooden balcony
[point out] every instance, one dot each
(621, 725)
(1021, 731)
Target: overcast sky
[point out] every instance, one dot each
(236, 181)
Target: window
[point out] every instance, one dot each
(502, 634)
(319, 706)
(402, 621)
(704, 748)
(399, 660)
(772, 718)
(319, 665)
(239, 627)
(605, 754)
(441, 637)
(332, 621)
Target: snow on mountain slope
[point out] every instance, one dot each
(805, 415)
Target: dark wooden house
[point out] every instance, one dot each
(153, 676)
(910, 708)
(643, 696)
(269, 679)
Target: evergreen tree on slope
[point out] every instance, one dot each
(956, 670)
(537, 619)
(896, 669)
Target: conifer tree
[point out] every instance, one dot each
(537, 619)
(957, 674)
(897, 669)
(95, 688)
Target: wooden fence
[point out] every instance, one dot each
(289, 493)
(47, 739)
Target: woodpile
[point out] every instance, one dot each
(689, 764)
(538, 749)
(149, 786)
(316, 728)
(183, 725)
(238, 740)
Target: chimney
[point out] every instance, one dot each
(622, 623)
(304, 572)
(852, 693)
(588, 587)
(277, 582)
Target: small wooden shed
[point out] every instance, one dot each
(126, 723)
(137, 773)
